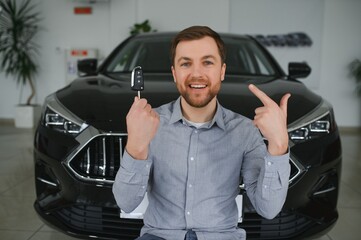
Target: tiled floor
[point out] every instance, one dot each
(19, 221)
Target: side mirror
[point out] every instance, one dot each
(298, 70)
(87, 67)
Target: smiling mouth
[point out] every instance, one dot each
(197, 86)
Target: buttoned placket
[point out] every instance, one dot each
(191, 173)
(268, 176)
(147, 167)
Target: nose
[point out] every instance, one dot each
(196, 71)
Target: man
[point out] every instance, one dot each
(190, 154)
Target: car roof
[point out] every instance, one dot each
(171, 34)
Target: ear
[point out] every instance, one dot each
(223, 71)
(173, 73)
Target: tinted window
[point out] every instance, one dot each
(244, 57)
(152, 54)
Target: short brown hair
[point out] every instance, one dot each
(196, 33)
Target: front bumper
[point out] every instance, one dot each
(84, 208)
(85, 221)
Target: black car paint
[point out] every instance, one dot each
(103, 100)
(98, 100)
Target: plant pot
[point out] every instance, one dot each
(27, 116)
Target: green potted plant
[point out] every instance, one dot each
(355, 70)
(141, 28)
(19, 50)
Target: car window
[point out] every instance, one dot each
(244, 57)
(151, 54)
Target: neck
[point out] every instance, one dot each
(199, 115)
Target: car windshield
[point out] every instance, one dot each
(244, 57)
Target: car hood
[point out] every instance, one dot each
(104, 102)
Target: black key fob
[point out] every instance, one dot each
(137, 81)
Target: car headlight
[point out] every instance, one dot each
(315, 125)
(58, 118)
(59, 123)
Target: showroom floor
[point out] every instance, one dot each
(19, 221)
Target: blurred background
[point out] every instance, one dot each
(74, 29)
(100, 25)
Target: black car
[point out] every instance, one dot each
(79, 141)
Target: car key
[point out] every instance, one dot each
(137, 81)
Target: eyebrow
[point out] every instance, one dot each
(183, 58)
(189, 59)
(209, 56)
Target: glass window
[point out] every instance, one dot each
(151, 54)
(244, 57)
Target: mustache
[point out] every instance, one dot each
(194, 80)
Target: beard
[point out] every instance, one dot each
(196, 100)
(199, 100)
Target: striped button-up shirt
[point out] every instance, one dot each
(192, 176)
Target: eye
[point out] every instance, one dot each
(208, 62)
(185, 64)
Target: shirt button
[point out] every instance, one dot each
(188, 213)
(196, 131)
(269, 163)
(143, 187)
(192, 158)
(265, 186)
(190, 185)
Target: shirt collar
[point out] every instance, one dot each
(178, 116)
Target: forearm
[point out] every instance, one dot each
(278, 146)
(137, 151)
(269, 192)
(131, 182)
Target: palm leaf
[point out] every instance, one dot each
(18, 48)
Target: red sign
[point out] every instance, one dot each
(79, 53)
(82, 10)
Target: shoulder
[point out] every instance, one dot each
(238, 123)
(232, 118)
(240, 127)
(165, 108)
(166, 111)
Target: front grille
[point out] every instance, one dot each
(295, 171)
(99, 160)
(98, 221)
(284, 226)
(105, 223)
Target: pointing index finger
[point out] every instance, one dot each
(260, 94)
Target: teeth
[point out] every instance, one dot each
(198, 86)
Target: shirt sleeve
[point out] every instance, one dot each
(131, 182)
(265, 178)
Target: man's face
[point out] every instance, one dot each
(198, 71)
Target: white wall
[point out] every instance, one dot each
(333, 23)
(341, 44)
(282, 17)
(176, 15)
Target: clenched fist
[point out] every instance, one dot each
(142, 124)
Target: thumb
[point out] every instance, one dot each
(284, 103)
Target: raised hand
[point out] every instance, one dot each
(271, 120)
(142, 125)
